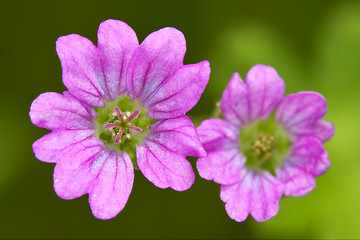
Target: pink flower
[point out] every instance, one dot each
(267, 145)
(124, 108)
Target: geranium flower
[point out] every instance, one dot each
(124, 108)
(267, 145)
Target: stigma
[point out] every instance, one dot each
(121, 125)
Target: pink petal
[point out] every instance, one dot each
(223, 166)
(257, 194)
(234, 103)
(56, 111)
(82, 69)
(218, 134)
(52, 146)
(112, 187)
(177, 134)
(297, 181)
(256, 99)
(309, 154)
(300, 113)
(75, 170)
(179, 93)
(324, 130)
(265, 90)
(155, 60)
(163, 167)
(321, 129)
(223, 161)
(308, 159)
(116, 43)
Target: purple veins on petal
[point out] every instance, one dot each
(82, 69)
(256, 194)
(154, 61)
(180, 92)
(116, 44)
(56, 111)
(112, 186)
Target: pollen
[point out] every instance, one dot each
(263, 145)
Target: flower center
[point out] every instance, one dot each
(265, 144)
(123, 124)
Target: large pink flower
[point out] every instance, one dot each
(125, 106)
(267, 145)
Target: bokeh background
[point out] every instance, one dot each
(314, 45)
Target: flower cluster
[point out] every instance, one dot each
(125, 109)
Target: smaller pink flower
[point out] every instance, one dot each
(266, 146)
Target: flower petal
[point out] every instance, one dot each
(265, 90)
(179, 135)
(112, 187)
(323, 130)
(223, 166)
(218, 134)
(75, 171)
(234, 102)
(155, 60)
(116, 43)
(297, 181)
(308, 159)
(52, 146)
(163, 167)
(82, 69)
(56, 111)
(300, 113)
(309, 154)
(223, 161)
(256, 99)
(179, 93)
(255, 193)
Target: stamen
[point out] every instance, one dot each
(118, 136)
(135, 129)
(110, 125)
(118, 113)
(128, 135)
(134, 115)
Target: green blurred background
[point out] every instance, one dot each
(314, 45)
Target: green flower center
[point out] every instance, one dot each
(123, 124)
(265, 144)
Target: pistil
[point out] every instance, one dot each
(122, 124)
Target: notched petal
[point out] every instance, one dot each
(116, 43)
(82, 70)
(155, 60)
(180, 93)
(179, 135)
(112, 186)
(163, 167)
(54, 145)
(56, 111)
(257, 194)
